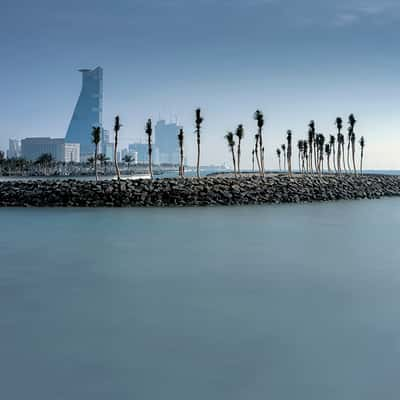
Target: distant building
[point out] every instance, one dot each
(33, 148)
(72, 152)
(108, 150)
(134, 156)
(88, 111)
(166, 140)
(105, 140)
(14, 148)
(141, 150)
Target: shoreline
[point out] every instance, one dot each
(189, 192)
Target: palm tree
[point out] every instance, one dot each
(362, 145)
(231, 143)
(339, 125)
(259, 117)
(117, 127)
(45, 161)
(320, 139)
(278, 153)
(149, 132)
(311, 140)
(240, 135)
(332, 141)
(128, 159)
(328, 155)
(199, 121)
(252, 158)
(352, 140)
(90, 162)
(313, 145)
(96, 137)
(181, 162)
(283, 147)
(102, 158)
(289, 151)
(300, 147)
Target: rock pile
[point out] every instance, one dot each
(207, 191)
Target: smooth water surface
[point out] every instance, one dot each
(265, 302)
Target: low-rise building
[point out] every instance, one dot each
(72, 152)
(33, 148)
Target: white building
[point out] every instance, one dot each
(72, 152)
(33, 148)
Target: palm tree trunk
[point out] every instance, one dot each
(310, 161)
(338, 158)
(181, 172)
(258, 160)
(95, 161)
(115, 158)
(238, 157)
(354, 161)
(348, 157)
(361, 161)
(198, 153)
(343, 159)
(329, 163)
(261, 152)
(150, 159)
(334, 158)
(252, 160)
(234, 161)
(315, 157)
(279, 161)
(284, 161)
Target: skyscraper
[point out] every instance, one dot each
(14, 148)
(166, 140)
(88, 111)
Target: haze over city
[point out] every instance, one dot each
(294, 60)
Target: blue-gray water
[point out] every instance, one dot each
(247, 303)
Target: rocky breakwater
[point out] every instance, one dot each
(207, 191)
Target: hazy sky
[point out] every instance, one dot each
(295, 60)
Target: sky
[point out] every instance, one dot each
(294, 60)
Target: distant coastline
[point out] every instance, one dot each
(208, 191)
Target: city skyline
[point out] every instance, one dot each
(295, 62)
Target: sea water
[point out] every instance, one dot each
(241, 303)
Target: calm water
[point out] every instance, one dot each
(287, 302)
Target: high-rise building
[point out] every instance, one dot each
(108, 150)
(88, 111)
(141, 153)
(33, 148)
(14, 148)
(105, 140)
(166, 140)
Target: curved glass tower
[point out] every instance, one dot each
(88, 111)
